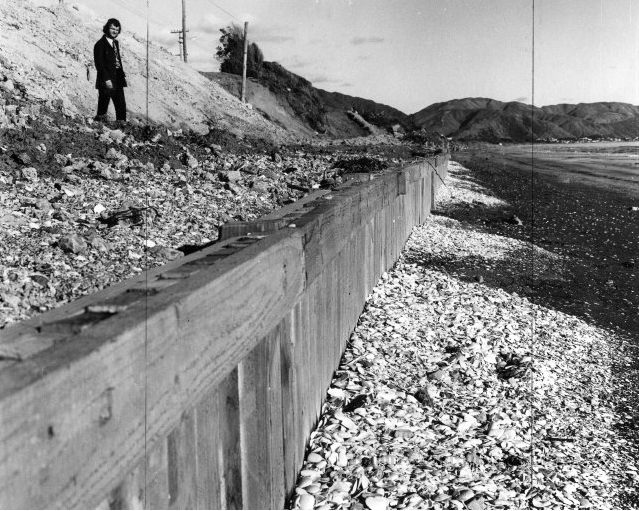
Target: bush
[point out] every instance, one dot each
(230, 53)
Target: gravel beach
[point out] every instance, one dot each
(463, 387)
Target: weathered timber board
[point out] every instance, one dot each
(58, 448)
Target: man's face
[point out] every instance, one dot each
(113, 31)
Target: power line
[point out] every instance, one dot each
(223, 10)
(135, 10)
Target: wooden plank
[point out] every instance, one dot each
(307, 201)
(290, 404)
(208, 454)
(254, 426)
(360, 263)
(275, 426)
(305, 362)
(327, 299)
(157, 494)
(182, 460)
(316, 312)
(310, 225)
(315, 337)
(130, 493)
(234, 229)
(342, 304)
(229, 450)
(174, 342)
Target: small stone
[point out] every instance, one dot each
(13, 219)
(40, 279)
(73, 243)
(234, 188)
(191, 162)
(9, 299)
(165, 252)
(260, 186)
(230, 176)
(23, 158)
(7, 85)
(99, 244)
(113, 154)
(117, 135)
(29, 173)
(108, 174)
(43, 205)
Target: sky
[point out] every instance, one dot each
(410, 54)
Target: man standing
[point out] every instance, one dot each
(110, 80)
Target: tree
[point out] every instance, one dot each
(230, 53)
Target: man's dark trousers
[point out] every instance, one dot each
(117, 95)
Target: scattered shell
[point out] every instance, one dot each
(377, 503)
(306, 501)
(314, 458)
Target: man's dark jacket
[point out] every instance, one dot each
(104, 58)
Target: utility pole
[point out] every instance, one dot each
(244, 64)
(180, 41)
(184, 30)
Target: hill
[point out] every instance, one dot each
(46, 54)
(495, 121)
(293, 103)
(377, 114)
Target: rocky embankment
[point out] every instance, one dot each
(459, 394)
(84, 205)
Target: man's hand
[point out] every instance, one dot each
(108, 84)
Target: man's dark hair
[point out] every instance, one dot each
(112, 21)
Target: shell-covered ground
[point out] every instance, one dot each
(457, 392)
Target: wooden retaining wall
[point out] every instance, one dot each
(197, 384)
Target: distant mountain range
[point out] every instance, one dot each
(485, 119)
(294, 103)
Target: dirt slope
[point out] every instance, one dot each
(47, 54)
(274, 108)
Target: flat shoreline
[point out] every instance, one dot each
(587, 220)
(606, 165)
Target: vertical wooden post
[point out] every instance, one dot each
(184, 29)
(244, 63)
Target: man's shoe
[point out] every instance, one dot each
(101, 118)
